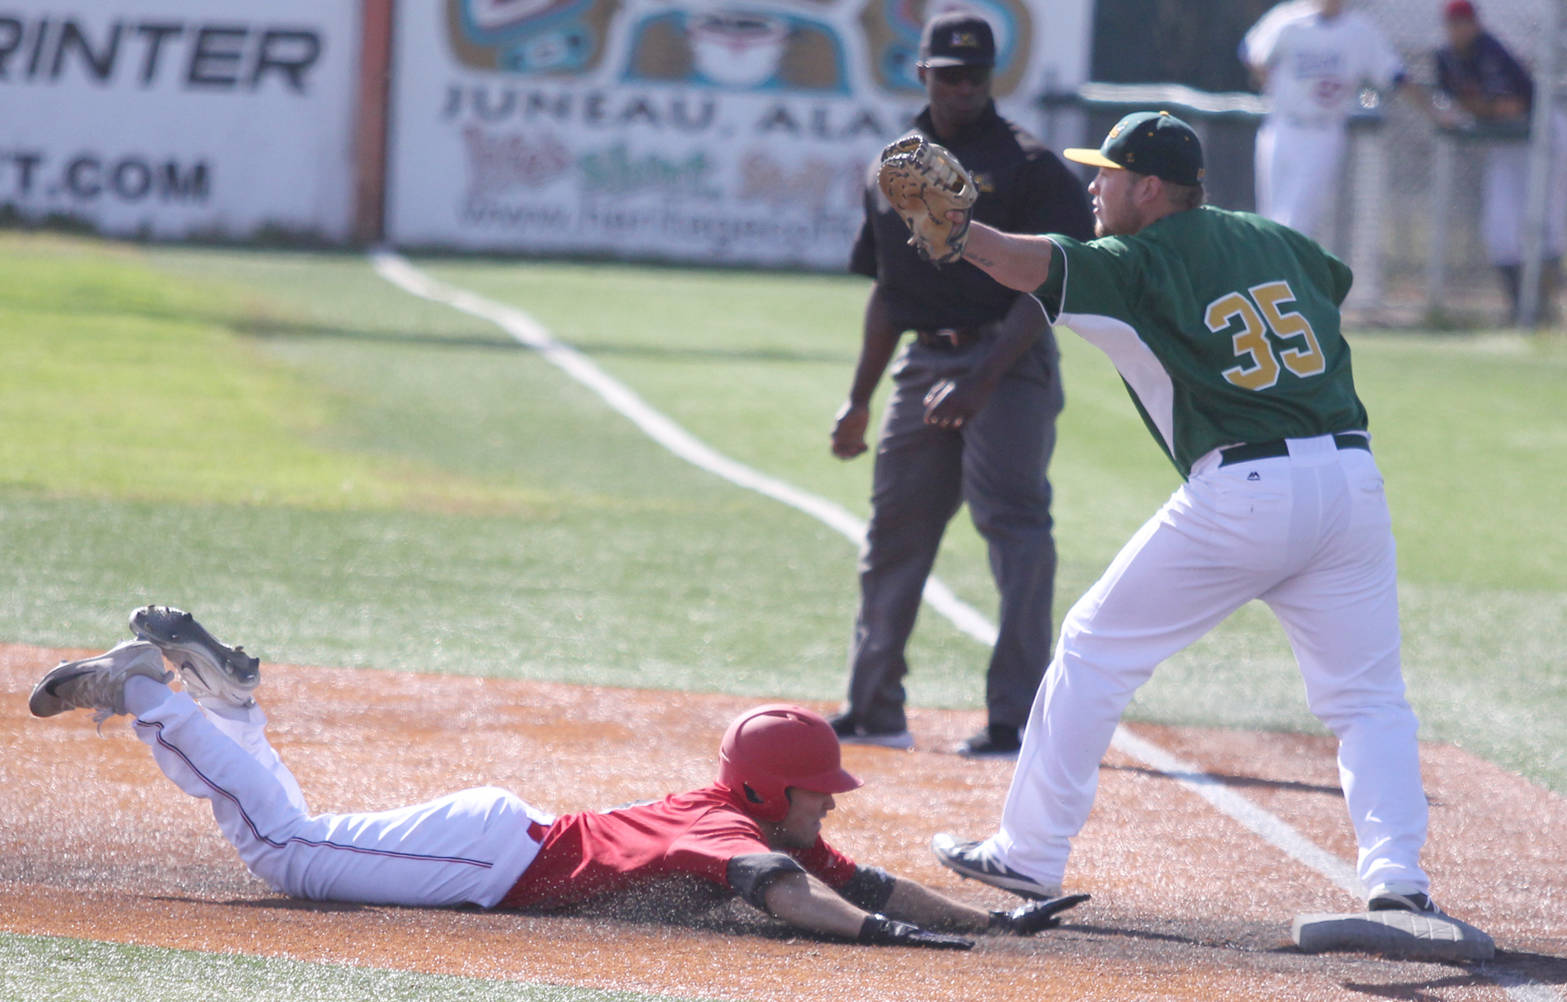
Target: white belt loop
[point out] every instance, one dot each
(1314, 447)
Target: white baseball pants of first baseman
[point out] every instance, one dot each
(465, 848)
(1310, 535)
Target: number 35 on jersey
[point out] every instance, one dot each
(1266, 336)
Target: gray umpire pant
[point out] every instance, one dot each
(997, 463)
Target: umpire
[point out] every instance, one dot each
(972, 415)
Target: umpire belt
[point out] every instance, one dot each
(1278, 447)
(949, 338)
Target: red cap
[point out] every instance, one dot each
(1458, 10)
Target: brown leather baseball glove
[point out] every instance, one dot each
(924, 182)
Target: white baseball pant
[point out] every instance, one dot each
(1310, 535)
(1505, 190)
(1297, 170)
(468, 847)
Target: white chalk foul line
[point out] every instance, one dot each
(1227, 801)
(528, 332)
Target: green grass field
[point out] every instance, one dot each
(53, 969)
(331, 471)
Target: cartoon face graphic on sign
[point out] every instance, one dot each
(770, 47)
(735, 45)
(736, 48)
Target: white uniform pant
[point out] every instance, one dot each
(1311, 537)
(1505, 195)
(465, 848)
(1297, 172)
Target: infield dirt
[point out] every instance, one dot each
(1187, 903)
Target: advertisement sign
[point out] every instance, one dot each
(723, 132)
(175, 118)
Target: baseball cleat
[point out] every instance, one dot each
(1389, 899)
(995, 741)
(978, 861)
(211, 671)
(901, 740)
(97, 682)
(851, 733)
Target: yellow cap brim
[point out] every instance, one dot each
(1092, 158)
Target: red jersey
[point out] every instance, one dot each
(692, 835)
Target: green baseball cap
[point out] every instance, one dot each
(1148, 142)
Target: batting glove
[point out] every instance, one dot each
(879, 930)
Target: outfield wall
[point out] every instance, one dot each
(713, 131)
(716, 131)
(180, 118)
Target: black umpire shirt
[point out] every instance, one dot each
(1023, 188)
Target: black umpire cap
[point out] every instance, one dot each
(957, 38)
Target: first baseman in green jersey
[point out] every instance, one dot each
(1225, 328)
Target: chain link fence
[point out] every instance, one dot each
(1408, 207)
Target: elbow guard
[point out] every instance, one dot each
(869, 888)
(751, 874)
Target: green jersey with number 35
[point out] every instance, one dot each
(1223, 325)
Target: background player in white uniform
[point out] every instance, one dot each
(1311, 57)
(1225, 328)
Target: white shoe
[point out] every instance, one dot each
(97, 682)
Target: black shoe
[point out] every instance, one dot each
(851, 733)
(977, 861)
(995, 741)
(1394, 901)
(212, 672)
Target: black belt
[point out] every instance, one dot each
(949, 337)
(1278, 447)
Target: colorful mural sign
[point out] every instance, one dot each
(727, 132)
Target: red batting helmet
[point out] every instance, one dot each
(771, 748)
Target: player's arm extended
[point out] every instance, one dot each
(1015, 260)
(802, 900)
(914, 902)
(806, 902)
(911, 901)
